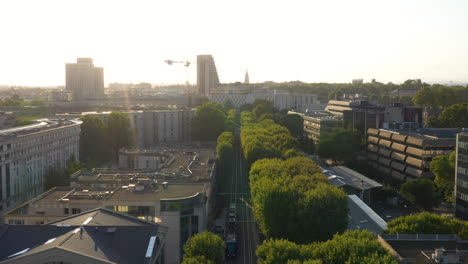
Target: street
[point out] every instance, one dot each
(239, 192)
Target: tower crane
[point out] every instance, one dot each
(186, 63)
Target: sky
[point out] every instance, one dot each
(310, 41)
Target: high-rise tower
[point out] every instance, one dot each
(207, 76)
(246, 78)
(84, 80)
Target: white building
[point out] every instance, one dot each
(27, 152)
(281, 100)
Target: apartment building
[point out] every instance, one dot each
(318, 124)
(403, 155)
(153, 127)
(461, 177)
(26, 154)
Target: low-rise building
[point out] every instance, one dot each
(319, 124)
(406, 155)
(28, 152)
(352, 182)
(425, 248)
(357, 114)
(178, 195)
(361, 216)
(96, 236)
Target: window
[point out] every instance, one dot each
(76, 210)
(66, 211)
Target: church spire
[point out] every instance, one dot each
(246, 79)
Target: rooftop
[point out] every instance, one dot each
(40, 125)
(103, 237)
(180, 164)
(320, 115)
(346, 176)
(362, 216)
(409, 246)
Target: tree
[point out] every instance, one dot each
(293, 200)
(208, 122)
(340, 146)
(453, 116)
(57, 176)
(279, 251)
(294, 123)
(196, 260)
(426, 223)
(261, 109)
(228, 105)
(94, 148)
(443, 168)
(426, 97)
(351, 247)
(119, 132)
(420, 192)
(207, 245)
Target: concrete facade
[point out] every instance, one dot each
(153, 127)
(319, 124)
(461, 177)
(207, 75)
(26, 153)
(84, 80)
(405, 156)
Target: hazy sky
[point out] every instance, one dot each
(311, 41)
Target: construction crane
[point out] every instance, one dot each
(170, 62)
(186, 63)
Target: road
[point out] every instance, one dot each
(239, 192)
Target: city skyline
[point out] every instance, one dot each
(335, 41)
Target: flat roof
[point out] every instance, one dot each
(186, 164)
(353, 178)
(84, 195)
(173, 191)
(361, 216)
(40, 125)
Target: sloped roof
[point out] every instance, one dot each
(99, 234)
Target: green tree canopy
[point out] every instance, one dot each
(293, 200)
(351, 247)
(420, 192)
(208, 122)
(196, 260)
(119, 132)
(443, 168)
(265, 139)
(207, 245)
(427, 223)
(228, 105)
(340, 146)
(94, 144)
(294, 123)
(453, 116)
